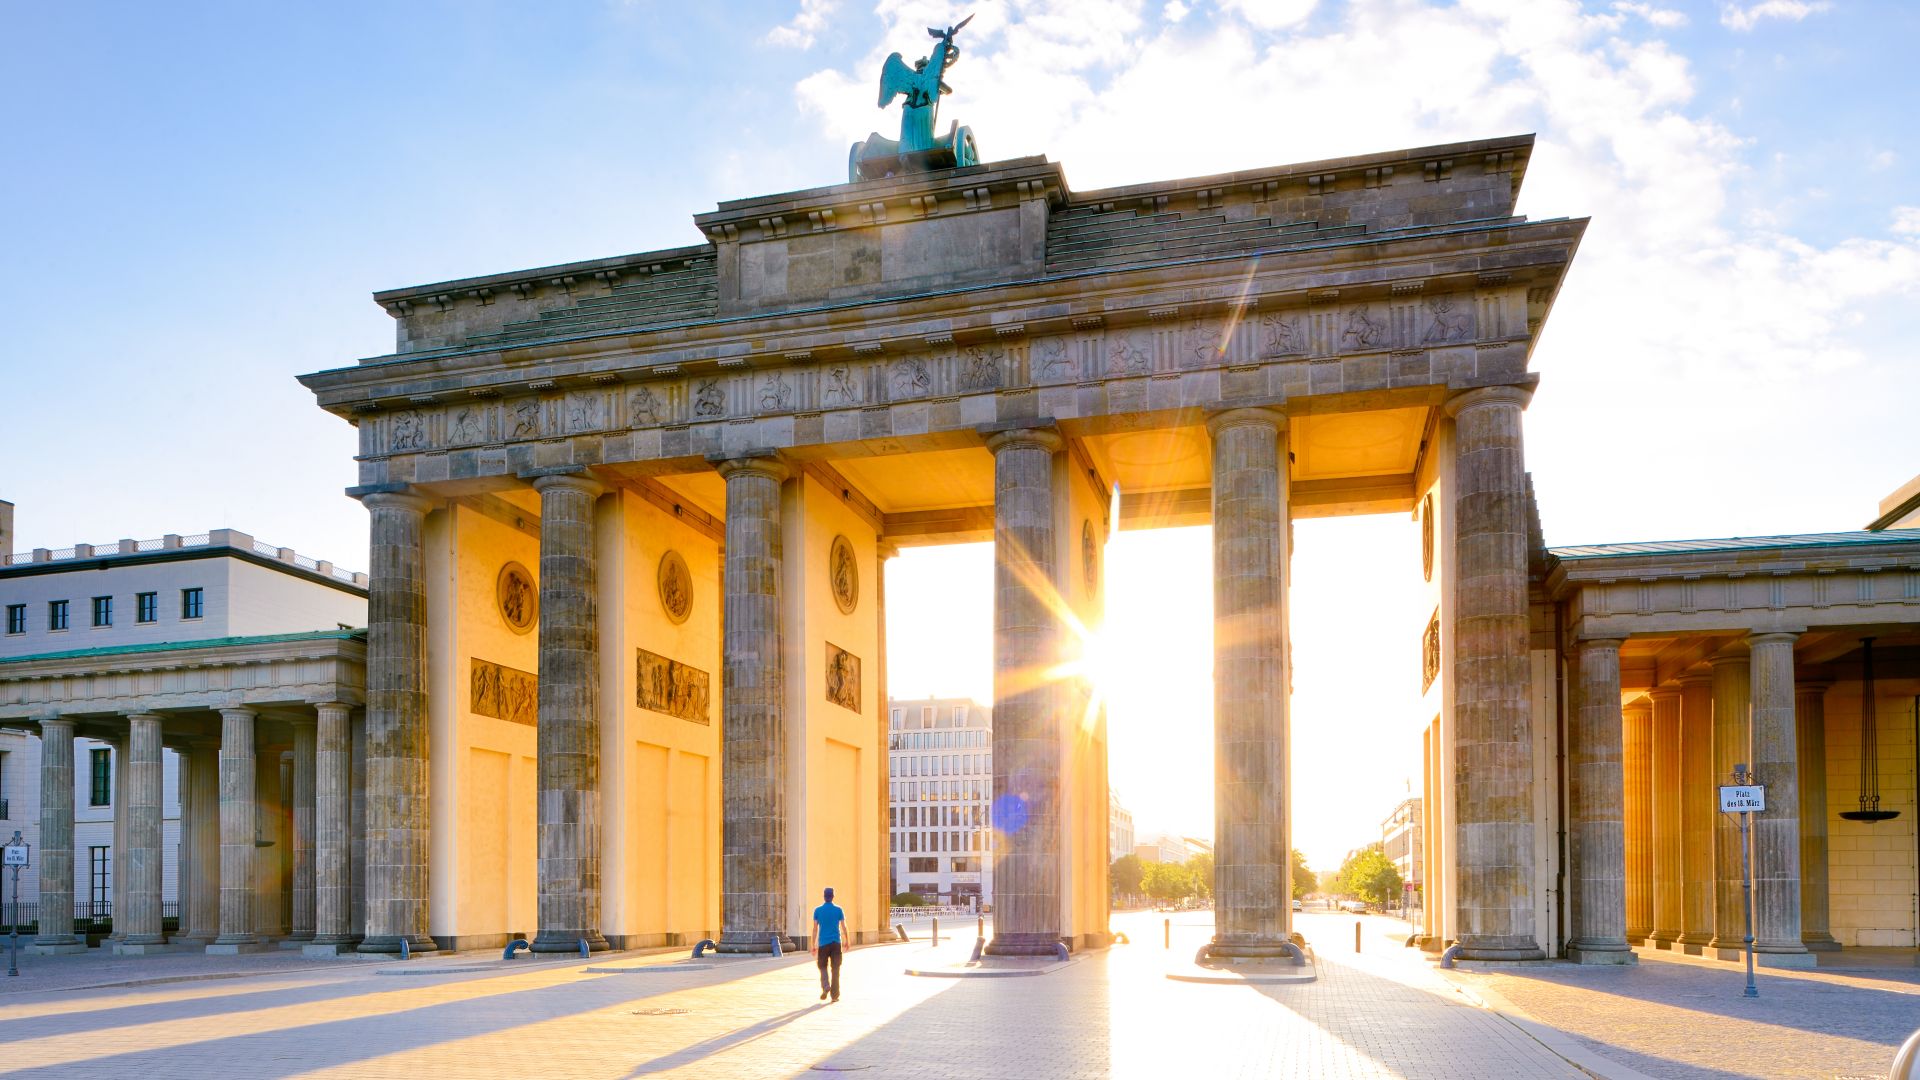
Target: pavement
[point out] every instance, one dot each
(1382, 1012)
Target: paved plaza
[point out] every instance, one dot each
(1381, 1012)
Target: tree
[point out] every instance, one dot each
(1124, 876)
(1302, 877)
(1200, 868)
(1167, 881)
(908, 899)
(1370, 875)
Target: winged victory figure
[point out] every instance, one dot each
(918, 149)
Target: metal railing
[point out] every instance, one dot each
(225, 537)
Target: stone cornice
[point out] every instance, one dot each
(875, 202)
(441, 293)
(190, 677)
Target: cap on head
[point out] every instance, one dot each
(829, 892)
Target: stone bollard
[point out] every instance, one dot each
(936, 930)
(1167, 932)
(1356, 937)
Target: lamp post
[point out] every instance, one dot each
(16, 855)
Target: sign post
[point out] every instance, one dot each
(15, 852)
(1746, 799)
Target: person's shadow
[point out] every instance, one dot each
(729, 1040)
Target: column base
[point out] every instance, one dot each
(326, 950)
(237, 948)
(1664, 939)
(198, 941)
(1820, 942)
(1602, 954)
(1501, 953)
(1784, 958)
(1694, 944)
(54, 948)
(1256, 948)
(390, 944)
(1637, 937)
(565, 941)
(145, 948)
(1024, 945)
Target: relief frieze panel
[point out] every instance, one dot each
(503, 693)
(843, 677)
(669, 686)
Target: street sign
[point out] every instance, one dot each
(1743, 798)
(16, 855)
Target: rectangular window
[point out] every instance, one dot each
(146, 607)
(102, 786)
(923, 866)
(100, 878)
(56, 614)
(192, 602)
(103, 611)
(16, 618)
(959, 715)
(926, 716)
(896, 717)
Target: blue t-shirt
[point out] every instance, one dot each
(829, 916)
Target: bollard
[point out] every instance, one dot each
(980, 926)
(1356, 937)
(404, 953)
(776, 946)
(703, 945)
(515, 946)
(1167, 932)
(979, 946)
(1906, 1062)
(900, 930)
(585, 952)
(936, 930)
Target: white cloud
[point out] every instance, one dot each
(1174, 11)
(806, 24)
(1270, 14)
(1906, 220)
(1664, 18)
(1736, 17)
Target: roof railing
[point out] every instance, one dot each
(217, 538)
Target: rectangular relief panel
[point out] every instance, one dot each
(671, 687)
(504, 693)
(843, 677)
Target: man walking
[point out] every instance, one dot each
(827, 921)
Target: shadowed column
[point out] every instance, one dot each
(1776, 830)
(569, 714)
(1732, 744)
(141, 864)
(238, 774)
(396, 769)
(200, 799)
(753, 905)
(1253, 906)
(1027, 637)
(1636, 760)
(1669, 877)
(1596, 831)
(1698, 811)
(332, 767)
(302, 928)
(1492, 678)
(1810, 727)
(56, 838)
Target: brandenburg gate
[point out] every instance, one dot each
(626, 663)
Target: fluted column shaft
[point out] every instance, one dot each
(332, 767)
(1669, 875)
(140, 922)
(397, 791)
(238, 823)
(1637, 777)
(1810, 727)
(116, 852)
(1493, 717)
(303, 829)
(753, 906)
(1596, 829)
(1698, 813)
(1253, 906)
(1732, 744)
(56, 835)
(200, 914)
(1776, 830)
(1027, 639)
(569, 711)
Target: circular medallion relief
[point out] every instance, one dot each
(1089, 556)
(843, 572)
(1426, 538)
(676, 587)
(517, 596)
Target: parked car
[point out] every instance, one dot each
(1296, 905)
(1357, 907)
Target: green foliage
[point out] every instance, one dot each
(1201, 869)
(1302, 877)
(1124, 876)
(1369, 875)
(1167, 881)
(907, 899)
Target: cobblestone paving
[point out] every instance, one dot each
(1686, 1018)
(1378, 1013)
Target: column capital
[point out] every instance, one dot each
(1489, 395)
(1818, 685)
(1665, 691)
(564, 478)
(885, 549)
(1772, 638)
(303, 721)
(1694, 678)
(391, 497)
(1039, 438)
(1598, 642)
(1732, 652)
(764, 463)
(1643, 703)
(1246, 416)
(239, 710)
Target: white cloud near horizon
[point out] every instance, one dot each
(806, 24)
(1736, 17)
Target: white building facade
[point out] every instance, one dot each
(940, 787)
(1119, 828)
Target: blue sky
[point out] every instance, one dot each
(198, 198)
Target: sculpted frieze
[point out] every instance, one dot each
(1452, 322)
(908, 379)
(671, 687)
(843, 677)
(1283, 336)
(709, 400)
(1362, 330)
(982, 368)
(776, 393)
(407, 431)
(1052, 360)
(842, 388)
(1129, 352)
(523, 419)
(646, 406)
(586, 410)
(503, 693)
(1205, 343)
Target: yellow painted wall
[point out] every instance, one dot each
(1083, 720)
(1870, 868)
(835, 763)
(1435, 479)
(660, 794)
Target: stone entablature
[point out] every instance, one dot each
(1798, 584)
(275, 670)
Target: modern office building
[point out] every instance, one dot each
(1119, 827)
(1166, 848)
(1402, 842)
(940, 772)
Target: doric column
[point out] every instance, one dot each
(303, 829)
(200, 910)
(1669, 875)
(569, 713)
(1698, 814)
(883, 863)
(1732, 744)
(397, 810)
(1776, 830)
(357, 830)
(56, 838)
(1810, 728)
(1026, 739)
(140, 921)
(117, 881)
(1252, 904)
(238, 824)
(1596, 830)
(753, 904)
(1492, 678)
(332, 777)
(1637, 774)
